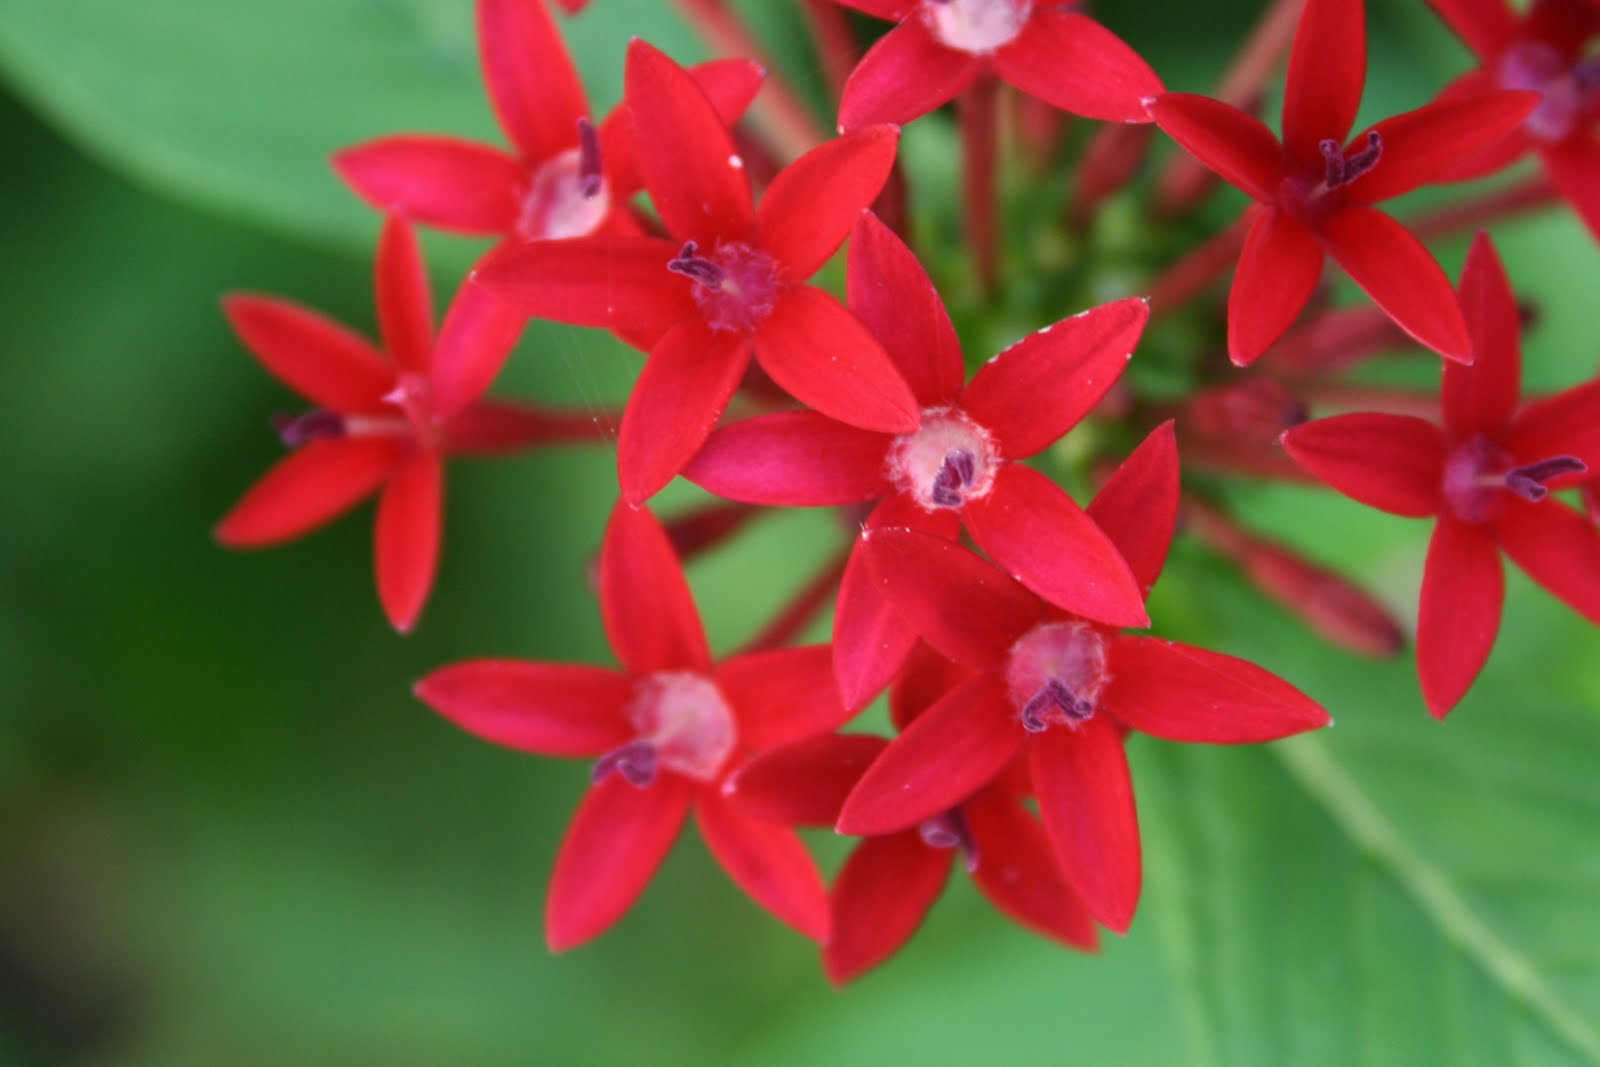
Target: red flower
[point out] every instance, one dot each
(1061, 687)
(957, 467)
(1546, 49)
(941, 46)
(564, 177)
(379, 421)
(1485, 475)
(729, 282)
(1316, 192)
(666, 729)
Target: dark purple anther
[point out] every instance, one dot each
(635, 761)
(589, 174)
(692, 265)
(1586, 76)
(951, 830)
(1528, 481)
(1054, 696)
(956, 473)
(319, 425)
(1342, 169)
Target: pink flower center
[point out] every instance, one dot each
(1479, 474)
(685, 726)
(976, 26)
(1055, 674)
(568, 196)
(1571, 91)
(950, 830)
(735, 287)
(949, 460)
(1309, 197)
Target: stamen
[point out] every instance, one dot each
(1054, 696)
(1528, 481)
(1341, 169)
(698, 269)
(958, 471)
(590, 176)
(951, 830)
(635, 761)
(319, 425)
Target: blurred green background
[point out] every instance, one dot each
(229, 835)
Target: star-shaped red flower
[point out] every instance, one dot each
(382, 419)
(1316, 191)
(1484, 476)
(665, 731)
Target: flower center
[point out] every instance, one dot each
(1570, 91)
(685, 726)
(1309, 197)
(950, 829)
(413, 418)
(1056, 673)
(1479, 473)
(949, 460)
(568, 196)
(735, 286)
(976, 26)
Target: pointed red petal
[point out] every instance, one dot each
(447, 182)
(645, 601)
(686, 153)
(883, 893)
(405, 301)
(1138, 506)
(925, 680)
(730, 84)
(1420, 145)
(1237, 145)
(308, 488)
(812, 204)
(618, 838)
(792, 459)
(1076, 64)
(804, 783)
(316, 357)
(782, 695)
(1037, 533)
(819, 354)
(1501, 153)
(1463, 588)
(1042, 386)
(1278, 270)
(680, 394)
(534, 89)
(1572, 165)
(1482, 397)
(892, 295)
(1485, 25)
(1019, 873)
(410, 513)
(960, 604)
(903, 77)
(1565, 424)
(1086, 799)
(1327, 71)
(893, 10)
(1394, 463)
(611, 282)
(950, 752)
(1558, 548)
(768, 862)
(555, 709)
(1401, 276)
(479, 332)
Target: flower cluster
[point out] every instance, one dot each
(993, 607)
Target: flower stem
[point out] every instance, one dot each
(1197, 271)
(835, 41)
(979, 107)
(1527, 195)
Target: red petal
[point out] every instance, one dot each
(1183, 693)
(792, 459)
(1018, 871)
(410, 513)
(1137, 508)
(1038, 534)
(308, 488)
(1572, 165)
(611, 282)
(805, 783)
(1394, 463)
(1086, 798)
(532, 84)
(1327, 71)
(768, 862)
(645, 601)
(895, 300)
(1558, 548)
(1078, 65)
(883, 893)
(1401, 276)
(961, 605)
(1237, 145)
(1277, 273)
(446, 182)
(951, 751)
(1420, 145)
(814, 202)
(405, 302)
(1482, 397)
(1042, 386)
(1565, 424)
(1486, 26)
(680, 394)
(1463, 588)
(555, 709)
(730, 84)
(924, 681)
(686, 153)
(479, 332)
(903, 77)
(782, 695)
(1501, 153)
(893, 10)
(819, 354)
(618, 838)
(317, 358)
